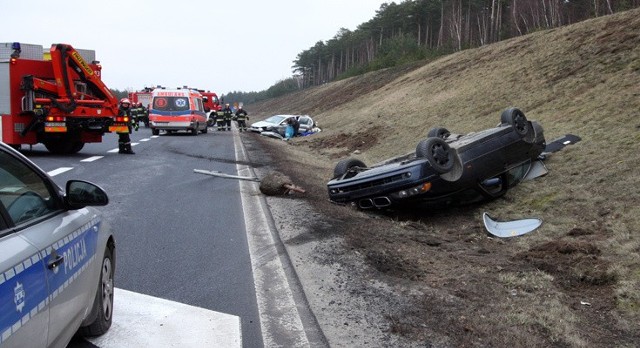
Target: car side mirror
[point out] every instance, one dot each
(83, 193)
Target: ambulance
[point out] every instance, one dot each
(175, 110)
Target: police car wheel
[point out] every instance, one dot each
(103, 302)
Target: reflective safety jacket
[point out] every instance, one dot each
(241, 115)
(228, 114)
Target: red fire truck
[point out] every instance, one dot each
(211, 101)
(142, 96)
(60, 101)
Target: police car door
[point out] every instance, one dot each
(23, 289)
(65, 242)
(24, 310)
(71, 273)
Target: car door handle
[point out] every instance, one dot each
(55, 261)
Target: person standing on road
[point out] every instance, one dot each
(220, 119)
(228, 115)
(136, 114)
(144, 114)
(242, 116)
(124, 141)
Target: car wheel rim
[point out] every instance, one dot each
(520, 124)
(440, 154)
(107, 289)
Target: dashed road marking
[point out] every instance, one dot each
(91, 159)
(145, 139)
(144, 321)
(59, 171)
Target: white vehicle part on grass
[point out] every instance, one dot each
(510, 228)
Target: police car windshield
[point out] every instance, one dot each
(171, 103)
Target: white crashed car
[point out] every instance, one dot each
(57, 257)
(278, 123)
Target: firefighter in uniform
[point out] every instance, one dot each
(136, 113)
(220, 119)
(228, 115)
(143, 114)
(124, 141)
(242, 117)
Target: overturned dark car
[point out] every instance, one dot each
(445, 167)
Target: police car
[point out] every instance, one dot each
(57, 257)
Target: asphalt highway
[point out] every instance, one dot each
(182, 236)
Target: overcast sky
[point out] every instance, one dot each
(222, 46)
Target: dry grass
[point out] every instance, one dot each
(582, 79)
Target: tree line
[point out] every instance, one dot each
(421, 29)
(425, 29)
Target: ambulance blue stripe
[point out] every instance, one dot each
(176, 113)
(79, 252)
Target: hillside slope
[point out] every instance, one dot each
(573, 282)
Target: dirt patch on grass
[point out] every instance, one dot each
(343, 144)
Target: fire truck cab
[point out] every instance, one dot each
(56, 98)
(211, 101)
(176, 110)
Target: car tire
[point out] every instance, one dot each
(103, 303)
(345, 165)
(155, 131)
(516, 118)
(195, 131)
(438, 132)
(437, 152)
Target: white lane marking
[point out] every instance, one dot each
(91, 159)
(154, 136)
(273, 292)
(144, 321)
(116, 150)
(145, 139)
(59, 171)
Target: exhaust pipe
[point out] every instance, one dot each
(378, 202)
(381, 202)
(365, 203)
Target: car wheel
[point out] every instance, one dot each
(517, 119)
(437, 152)
(155, 131)
(103, 303)
(439, 132)
(345, 165)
